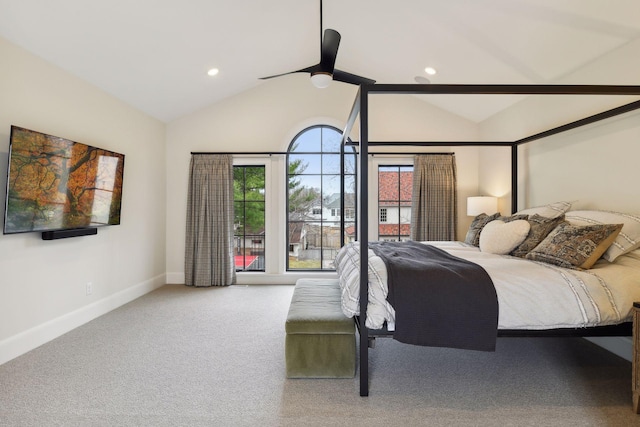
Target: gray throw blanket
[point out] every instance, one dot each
(440, 300)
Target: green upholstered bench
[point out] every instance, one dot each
(320, 340)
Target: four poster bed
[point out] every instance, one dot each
(537, 295)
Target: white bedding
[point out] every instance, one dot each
(531, 295)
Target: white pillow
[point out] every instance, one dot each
(499, 237)
(627, 240)
(552, 210)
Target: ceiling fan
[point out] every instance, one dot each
(323, 72)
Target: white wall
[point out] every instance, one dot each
(593, 165)
(267, 118)
(42, 283)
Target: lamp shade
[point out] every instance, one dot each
(482, 204)
(321, 79)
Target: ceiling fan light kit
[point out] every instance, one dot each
(321, 79)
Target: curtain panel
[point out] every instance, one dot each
(209, 259)
(433, 211)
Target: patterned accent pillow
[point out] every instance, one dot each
(573, 246)
(627, 240)
(540, 228)
(478, 223)
(552, 210)
(513, 217)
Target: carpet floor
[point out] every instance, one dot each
(181, 356)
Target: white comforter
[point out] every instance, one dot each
(531, 295)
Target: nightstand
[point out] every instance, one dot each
(635, 367)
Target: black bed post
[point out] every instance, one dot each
(514, 178)
(364, 239)
(342, 198)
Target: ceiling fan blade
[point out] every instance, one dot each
(328, 54)
(329, 51)
(310, 69)
(276, 75)
(343, 76)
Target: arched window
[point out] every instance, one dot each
(315, 197)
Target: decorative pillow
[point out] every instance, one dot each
(499, 237)
(513, 217)
(627, 240)
(478, 223)
(574, 246)
(552, 210)
(540, 228)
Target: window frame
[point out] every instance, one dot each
(375, 162)
(338, 220)
(399, 169)
(244, 237)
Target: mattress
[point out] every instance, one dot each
(531, 295)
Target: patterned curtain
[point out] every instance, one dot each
(209, 257)
(433, 211)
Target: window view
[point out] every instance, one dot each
(395, 184)
(314, 198)
(249, 191)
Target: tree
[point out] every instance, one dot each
(301, 198)
(249, 187)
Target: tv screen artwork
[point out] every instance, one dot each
(57, 184)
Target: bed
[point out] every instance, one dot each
(531, 295)
(558, 301)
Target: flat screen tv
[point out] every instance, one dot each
(57, 184)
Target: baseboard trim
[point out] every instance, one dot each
(30, 339)
(175, 278)
(261, 278)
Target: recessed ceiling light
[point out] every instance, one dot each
(430, 70)
(212, 72)
(422, 80)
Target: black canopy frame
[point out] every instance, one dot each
(360, 110)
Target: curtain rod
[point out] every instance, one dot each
(253, 153)
(377, 144)
(269, 153)
(399, 153)
(433, 143)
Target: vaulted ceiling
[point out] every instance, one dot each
(155, 54)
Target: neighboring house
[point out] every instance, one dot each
(329, 208)
(325, 233)
(390, 232)
(350, 234)
(249, 243)
(394, 211)
(297, 239)
(394, 205)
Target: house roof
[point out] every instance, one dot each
(385, 230)
(155, 56)
(394, 187)
(333, 201)
(295, 232)
(392, 229)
